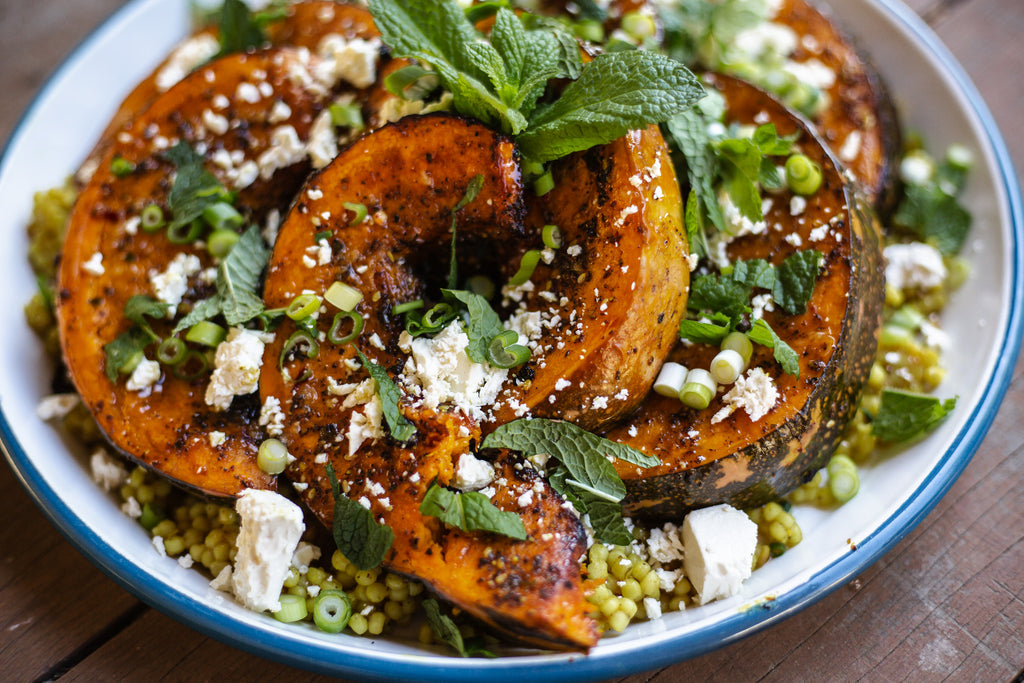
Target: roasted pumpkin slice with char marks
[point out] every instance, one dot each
(859, 122)
(735, 460)
(108, 258)
(304, 24)
(409, 177)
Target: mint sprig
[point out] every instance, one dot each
(500, 80)
(238, 282)
(471, 511)
(390, 395)
(131, 343)
(361, 539)
(194, 189)
(903, 415)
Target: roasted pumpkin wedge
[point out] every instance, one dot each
(611, 298)
(859, 123)
(305, 24)
(735, 460)
(408, 177)
(108, 258)
(530, 590)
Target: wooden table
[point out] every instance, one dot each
(948, 601)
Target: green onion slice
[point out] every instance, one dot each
(504, 352)
(293, 608)
(399, 309)
(206, 333)
(152, 218)
(803, 175)
(272, 456)
(222, 216)
(347, 116)
(193, 366)
(121, 167)
(171, 351)
(358, 209)
(302, 306)
(185, 234)
(544, 184)
(526, 267)
(299, 338)
(332, 610)
(334, 335)
(552, 236)
(343, 296)
(220, 242)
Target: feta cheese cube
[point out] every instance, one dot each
(719, 544)
(271, 526)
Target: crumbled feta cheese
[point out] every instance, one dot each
(107, 472)
(439, 372)
(765, 38)
(323, 143)
(812, 72)
(285, 149)
(738, 224)
(760, 304)
(271, 416)
(247, 92)
(652, 606)
(914, 266)
(170, 285)
(187, 56)
(819, 233)
(132, 508)
(236, 368)
(217, 438)
(145, 375)
(365, 424)
(472, 474)
(851, 146)
(665, 544)
(185, 561)
(353, 60)
(719, 544)
(797, 205)
(305, 554)
(221, 582)
(56, 405)
(574, 250)
(562, 383)
(271, 526)
(94, 266)
(754, 392)
(215, 123)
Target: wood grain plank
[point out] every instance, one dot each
(52, 600)
(157, 647)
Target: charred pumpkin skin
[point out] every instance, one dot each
(859, 101)
(746, 463)
(410, 175)
(168, 427)
(304, 25)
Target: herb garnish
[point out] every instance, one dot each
(931, 211)
(471, 511)
(400, 427)
(241, 28)
(904, 415)
(589, 479)
(238, 281)
(500, 80)
(194, 189)
(359, 537)
(445, 630)
(130, 344)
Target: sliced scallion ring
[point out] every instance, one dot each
(438, 316)
(206, 333)
(399, 309)
(544, 184)
(727, 366)
(803, 175)
(220, 242)
(152, 218)
(740, 343)
(299, 338)
(335, 336)
(343, 296)
(670, 379)
(185, 234)
(302, 306)
(332, 610)
(347, 116)
(171, 351)
(358, 209)
(193, 366)
(293, 608)
(552, 236)
(698, 390)
(272, 456)
(503, 351)
(222, 216)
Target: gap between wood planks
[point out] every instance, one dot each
(94, 643)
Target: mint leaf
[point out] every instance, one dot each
(584, 455)
(482, 325)
(794, 281)
(444, 627)
(471, 511)
(605, 516)
(202, 310)
(615, 93)
(401, 429)
(761, 333)
(754, 273)
(932, 215)
(359, 537)
(238, 278)
(688, 132)
(194, 187)
(239, 30)
(720, 294)
(704, 332)
(140, 306)
(125, 348)
(904, 415)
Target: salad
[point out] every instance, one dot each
(453, 375)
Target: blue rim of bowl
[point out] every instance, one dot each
(632, 657)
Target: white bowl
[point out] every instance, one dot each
(936, 98)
